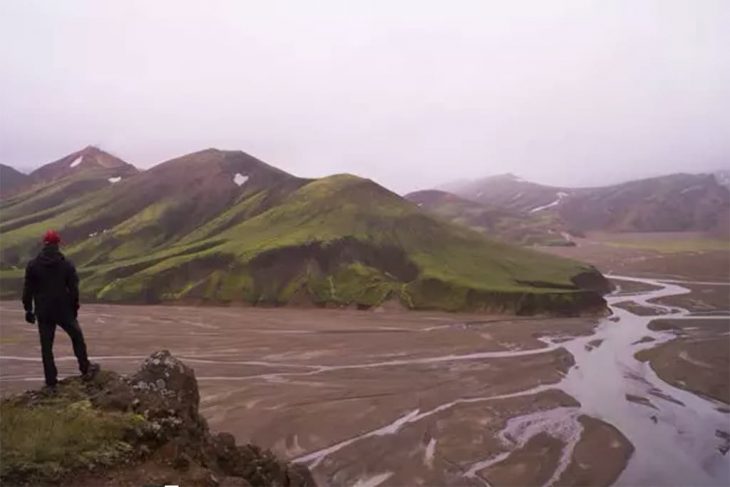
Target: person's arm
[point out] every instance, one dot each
(72, 283)
(28, 289)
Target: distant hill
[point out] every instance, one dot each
(11, 179)
(507, 225)
(59, 185)
(507, 191)
(187, 196)
(221, 226)
(677, 202)
(88, 159)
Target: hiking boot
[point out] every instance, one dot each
(91, 372)
(49, 389)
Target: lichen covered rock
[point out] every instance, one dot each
(164, 384)
(144, 429)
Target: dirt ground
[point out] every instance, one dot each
(697, 360)
(629, 288)
(666, 255)
(392, 397)
(704, 298)
(638, 309)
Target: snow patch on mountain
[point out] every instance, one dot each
(115, 180)
(691, 188)
(240, 179)
(561, 195)
(76, 161)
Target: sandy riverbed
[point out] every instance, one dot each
(418, 398)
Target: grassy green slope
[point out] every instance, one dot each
(55, 186)
(184, 231)
(188, 197)
(340, 240)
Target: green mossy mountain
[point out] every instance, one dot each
(221, 227)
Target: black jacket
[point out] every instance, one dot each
(51, 281)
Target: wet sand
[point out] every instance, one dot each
(359, 396)
(639, 310)
(703, 299)
(698, 359)
(404, 398)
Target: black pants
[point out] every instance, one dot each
(47, 331)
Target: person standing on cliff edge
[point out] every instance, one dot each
(52, 283)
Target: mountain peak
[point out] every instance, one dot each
(513, 177)
(208, 165)
(88, 158)
(92, 150)
(506, 177)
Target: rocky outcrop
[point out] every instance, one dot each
(153, 434)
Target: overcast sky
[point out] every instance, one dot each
(410, 94)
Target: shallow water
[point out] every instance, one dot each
(675, 444)
(674, 436)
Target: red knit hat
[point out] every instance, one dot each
(51, 237)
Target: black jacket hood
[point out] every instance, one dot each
(50, 256)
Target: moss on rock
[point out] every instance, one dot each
(113, 424)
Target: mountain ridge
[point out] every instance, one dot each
(63, 182)
(11, 179)
(87, 158)
(506, 225)
(673, 202)
(221, 226)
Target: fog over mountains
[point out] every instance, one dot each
(670, 203)
(408, 93)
